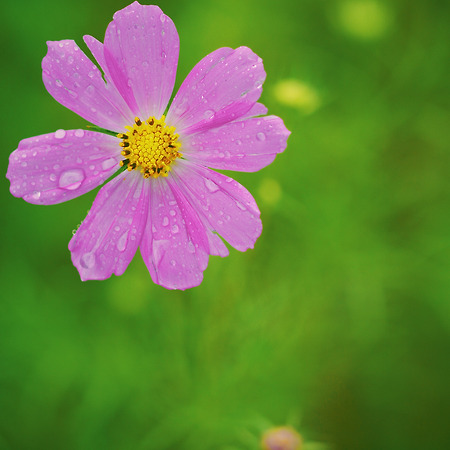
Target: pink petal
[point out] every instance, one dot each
(258, 109)
(97, 50)
(108, 238)
(226, 206)
(141, 52)
(247, 145)
(174, 246)
(75, 81)
(222, 87)
(56, 167)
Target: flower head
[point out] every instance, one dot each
(168, 202)
(281, 438)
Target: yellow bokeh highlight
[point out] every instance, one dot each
(270, 191)
(364, 19)
(297, 94)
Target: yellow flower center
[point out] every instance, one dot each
(150, 146)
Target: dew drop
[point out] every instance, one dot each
(241, 206)
(122, 242)
(53, 177)
(71, 179)
(79, 133)
(238, 142)
(60, 134)
(117, 228)
(87, 260)
(165, 221)
(260, 136)
(210, 185)
(24, 164)
(173, 262)
(175, 228)
(73, 94)
(208, 114)
(36, 195)
(172, 212)
(163, 55)
(59, 83)
(108, 163)
(162, 18)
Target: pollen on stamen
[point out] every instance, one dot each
(150, 146)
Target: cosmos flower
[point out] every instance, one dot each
(282, 438)
(168, 202)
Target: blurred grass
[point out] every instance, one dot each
(336, 323)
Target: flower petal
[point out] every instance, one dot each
(174, 246)
(222, 87)
(247, 145)
(258, 109)
(97, 50)
(56, 167)
(108, 238)
(225, 205)
(141, 52)
(74, 80)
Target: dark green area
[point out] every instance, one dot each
(336, 323)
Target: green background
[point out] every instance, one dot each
(337, 323)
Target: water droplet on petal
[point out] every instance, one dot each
(175, 229)
(79, 133)
(172, 212)
(87, 260)
(71, 179)
(261, 136)
(36, 195)
(210, 185)
(165, 221)
(60, 134)
(208, 114)
(162, 17)
(122, 242)
(108, 163)
(173, 262)
(241, 206)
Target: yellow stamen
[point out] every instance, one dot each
(150, 146)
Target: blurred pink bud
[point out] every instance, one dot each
(281, 438)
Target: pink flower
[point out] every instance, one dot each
(168, 203)
(282, 438)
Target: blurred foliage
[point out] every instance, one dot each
(337, 323)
